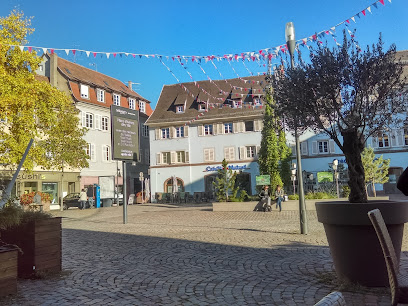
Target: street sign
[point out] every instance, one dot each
(263, 180)
(324, 177)
(125, 133)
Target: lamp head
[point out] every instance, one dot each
(289, 31)
(335, 162)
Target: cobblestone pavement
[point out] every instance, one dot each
(190, 255)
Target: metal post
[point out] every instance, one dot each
(124, 193)
(337, 184)
(117, 184)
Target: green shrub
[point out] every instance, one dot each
(319, 195)
(345, 190)
(293, 197)
(11, 215)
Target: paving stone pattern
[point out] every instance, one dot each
(189, 255)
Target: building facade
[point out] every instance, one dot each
(93, 93)
(196, 125)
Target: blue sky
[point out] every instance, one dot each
(194, 28)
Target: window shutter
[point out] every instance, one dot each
(186, 131)
(400, 137)
(241, 152)
(232, 153)
(215, 128)
(187, 157)
(92, 152)
(158, 158)
(221, 129)
(393, 136)
(314, 147)
(172, 131)
(98, 119)
(303, 147)
(200, 130)
(226, 153)
(83, 119)
(241, 126)
(261, 124)
(157, 131)
(211, 155)
(258, 148)
(256, 125)
(206, 155)
(173, 157)
(368, 142)
(332, 148)
(235, 127)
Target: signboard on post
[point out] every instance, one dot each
(324, 177)
(263, 180)
(125, 133)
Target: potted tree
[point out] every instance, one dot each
(350, 95)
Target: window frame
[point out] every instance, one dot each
(179, 109)
(116, 99)
(100, 95)
(168, 156)
(82, 89)
(145, 130)
(142, 106)
(249, 148)
(319, 146)
(181, 157)
(106, 153)
(105, 125)
(132, 103)
(383, 139)
(89, 120)
(208, 129)
(179, 132)
(248, 122)
(165, 133)
(230, 128)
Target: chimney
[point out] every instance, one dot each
(53, 69)
(130, 85)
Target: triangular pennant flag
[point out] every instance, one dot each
(127, 54)
(382, 2)
(107, 55)
(67, 51)
(94, 54)
(369, 9)
(389, 1)
(21, 48)
(52, 51)
(87, 53)
(73, 52)
(44, 50)
(354, 19)
(375, 5)
(348, 21)
(333, 29)
(30, 49)
(114, 55)
(364, 13)
(140, 56)
(358, 15)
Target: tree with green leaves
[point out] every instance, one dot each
(348, 93)
(375, 168)
(32, 108)
(225, 183)
(274, 155)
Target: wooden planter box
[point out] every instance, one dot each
(40, 242)
(8, 271)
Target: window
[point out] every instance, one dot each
(90, 151)
(100, 95)
(249, 126)
(166, 158)
(229, 153)
(250, 151)
(84, 91)
(383, 141)
(105, 153)
(41, 67)
(132, 104)
(406, 136)
(179, 131)
(179, 109)
(145, 130)
(165, 133)
(87, 120)
(181, 156)
(257, 101)
(116, 99)
(209, 155)
(201, 107)
(238, 104)
(208, 129)
(227, 128)
(105, 123)
(323, 147)
(142, 107)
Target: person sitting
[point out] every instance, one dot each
(265, 201)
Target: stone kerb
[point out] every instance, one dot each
(287, 205)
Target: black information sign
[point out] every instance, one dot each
(125, 133)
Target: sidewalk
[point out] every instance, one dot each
(189, 255)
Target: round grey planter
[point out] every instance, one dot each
(353, 243)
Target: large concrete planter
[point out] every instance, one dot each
(40, 242)
(354, 245)
(8, 270)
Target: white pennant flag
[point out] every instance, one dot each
(126, 54)
(67, 51)
(44, 50)
(353, 18)
(333, 29)
(107, 55)
(87, 53)
(21, 48)
(369, 9)
(390, 1)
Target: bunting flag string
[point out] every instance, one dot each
(248, 56)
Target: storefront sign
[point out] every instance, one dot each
(125, 133)
(324, 177)
(229, 167)
(263, 180)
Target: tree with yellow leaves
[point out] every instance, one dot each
(31, 108)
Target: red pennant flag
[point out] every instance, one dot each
(52, 51)
(114, 54)
(314, 36)
(193, 58)
(73, 52)
(30, 49)
(94, 54)
(269, 56)
(243, 56)
(363, 11)
(236, 56)
(348, 21)
(327, 32)
(260, 51)
(382, 2)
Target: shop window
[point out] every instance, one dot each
(52, 190)
(170, 186)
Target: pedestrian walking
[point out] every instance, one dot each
(279, 193)
(83, 198)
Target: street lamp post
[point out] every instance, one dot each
(336, 176)
(291, 43)
(293, 177)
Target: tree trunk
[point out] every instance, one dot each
(352, 149)
(374, 192)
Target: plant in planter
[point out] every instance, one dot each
(350, 95)
(37, 234)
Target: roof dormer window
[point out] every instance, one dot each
(179, 109)
(84, 91)
(201, 107)
(116, 99)
(142, 106)
(100, 95)
(132, 104)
